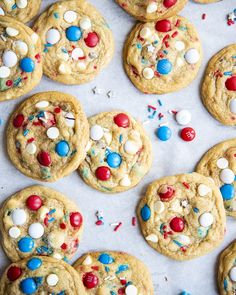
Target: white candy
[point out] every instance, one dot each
(206, 219)
(222, 163)
(52, 279)
(148, 73)
(53, 132)
(19, 216)
(36, 230)
(70, 16)
(183, 117)
(56, 238)
(108, 137)
(21, 46)
(42, 104)
(42, 212)
(203, 190)
(152, 238)
(70, 119)
(31, 148)
(96, 132)
(14, 232)
(57, 256)
(152, 7)
(76, 53)
(4, 72)
(21, 3)
(53, 36)
(179, 45)
(9, 58)
(183, 239)
(11, 32)
(34, 38)
(131, 147)
(192, 56)
(232, 274)
(88, 260)
(64, 69)
(159, 207)
(2, 11)
(227, 176)
(145, 33)
(125, 181)
(85, 23)
(232, 105)
(131, 290)
(180, 62)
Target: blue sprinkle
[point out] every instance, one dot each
(61, 293)
(25, 132)
(51, 219)
(178, 243)
(155, 42)
(122, 267)
(52, 211)
(139, 46)
(64, 50)
(14, 6)
(107, 269)
(31, 117)
(160, 102)
(56, 15)
(121, 138)
(228, 73)
(184, 293)
(48, 45)
(195, 209)
(225, 284)
(105, 258)
(38, 281)
(112, 293)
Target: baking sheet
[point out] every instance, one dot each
(172, 157)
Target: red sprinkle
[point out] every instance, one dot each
(204, 16)
(134, 221)
(63, 226)
(57, 110)
(64, 246)
(99, 222)
(118, 226)
(186, 185)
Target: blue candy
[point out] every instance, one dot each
(105, 258)
(114, 160)
(227, 191)
(26, 244)
(27, 65)
(184, 293)
(28, 286)
(145, 213)
(34, 263)
(62, 148)
(163, 133)
(73, 33)
(164, 66)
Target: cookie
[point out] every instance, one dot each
(119, 153)
(152, 10)
(227, 271)
(113, 273)
(22, 10)
(20, 52)
(40, 221)
(219, 86)
(41, 275)
(182, 216)
(47, 136)
(163, 56)
(219, 164)
(206, 1)
(77, 41)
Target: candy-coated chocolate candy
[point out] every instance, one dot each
(9, 58)
(187, 134)
(26, 244)
(13, 273)
(90, 281)
(34, 202)
(177, 224)
(44, 158)
(232, 105)
(164, 133)
(73, 33)
(183, 117)
(96, 132)
(18, 121)
(145, 213)
(28, 286)
(70, 16)
(131, 290)
(206, 219)
(53, 36)
(62, 148)
(105, 258)
(52, 279)
(227, 176)
(27, 65)
(164, 66)
(36, 230)
(227, 191)
(85, 23)
(163, 26)
(34, 263)
(192, 56)
(122, 120)
(232, 274)
(76, 219)
(14, 232)
(230, 83)
(92, 39)
(114, 160)
(152, 7)
(222, 163)
(19, 216)
(103, 173)
(166, 193)
(169, 3)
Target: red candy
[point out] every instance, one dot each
(13, 273)
(18, 121)
(103, 173)
(169, 3)
(177, 224)
(166, 193)
(90, 281)
(44, 159)
(230, 83)
(92, 39)
(76, 219)
(163, 26)
(122, 120)
(188, 134)
(34, 202)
